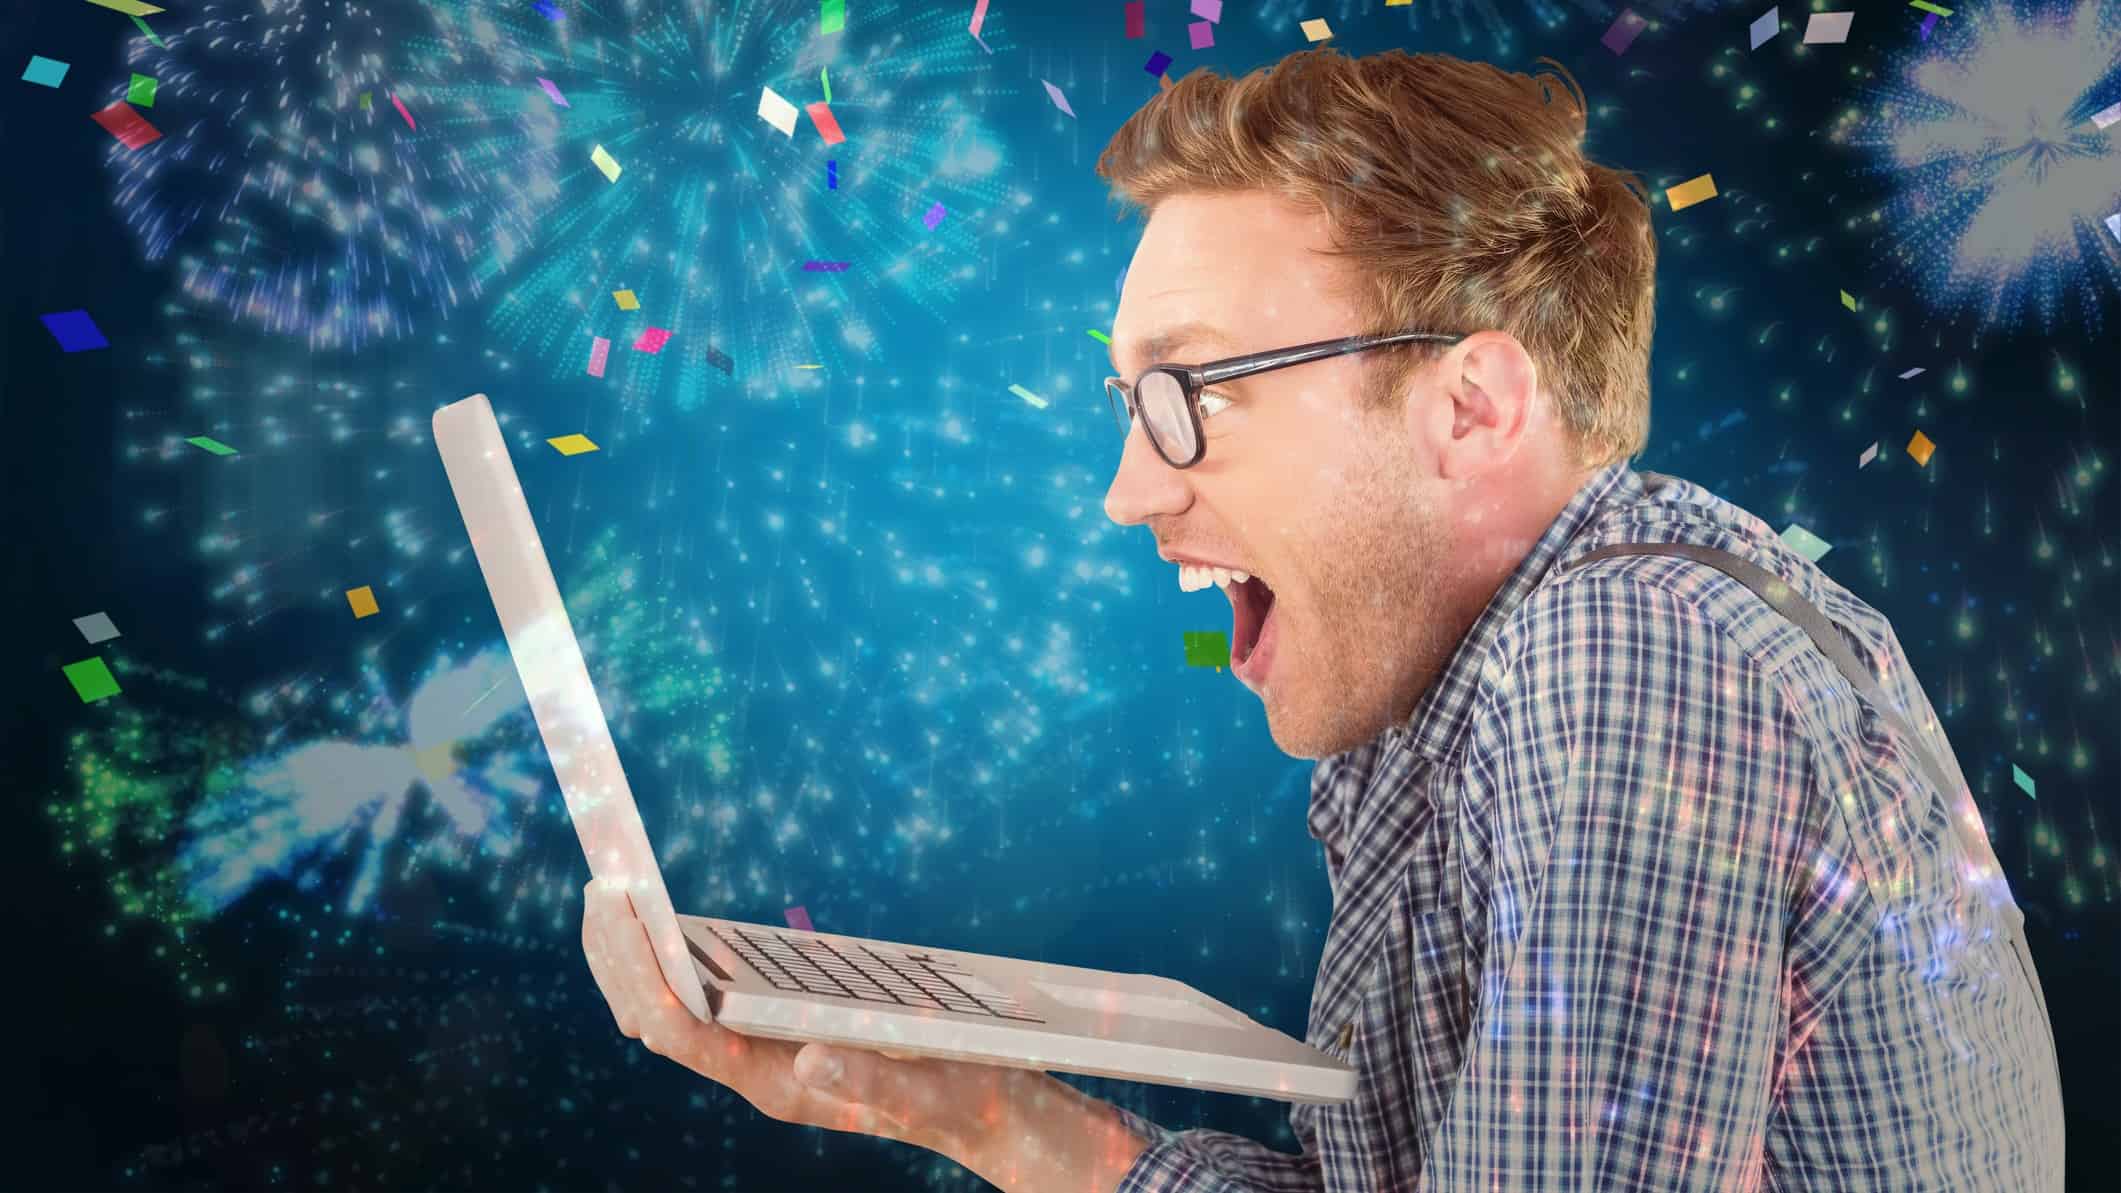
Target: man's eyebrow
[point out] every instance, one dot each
(1157, 348)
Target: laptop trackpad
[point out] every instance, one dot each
(1115, 1002)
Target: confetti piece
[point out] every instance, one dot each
(1690, 192)
(605, 162)
(1848, 300)
(150, 33)
(827, 126)
(826, 266)
(1805, 543)
(1157, 63)
(365, 104)
(75, 331)
(599, 354)
(831, 16)
(44, 72)
(1397, 3)
(1929, 24)
(1137, 19)
(1208, 10)
(1202, 34)
(2100, 118)
(2023, 780)
(1316, 29)
(776, 111)
(141, 91)
(546, 10)
(824, 78)
(96, 627)
(1828, 28)
(92, 679)
(1207, 648)
(1765, 27)
(363, 600)
(131, 129)
(979, 17)
(2113, 224)
(1101, 337)
(1922, 448)
(1870, 453)
(553, 90)
(799, 919)
(810, 366)
(573, 445)
(934, 216)
(208, 443)
(1028, 396)
(399, 104)
(651, 341)
(1623, 31)
(1929, 8)
(832, 176)
(1914, 372)
(720, 360)
(1059, 101)
(131, 8)
(626, 300)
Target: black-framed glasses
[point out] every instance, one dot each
(1168, 396)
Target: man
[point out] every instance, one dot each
(1649, 870)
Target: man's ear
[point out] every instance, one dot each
(1491, 388)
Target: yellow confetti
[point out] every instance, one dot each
(1848, 300)
(363, 600)
(1316, 29)
(605, 162)
(131, 8)
(1921, 448)
(573, 445)
(1690, 192)
(626, 300)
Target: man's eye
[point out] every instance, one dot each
(1212, 403)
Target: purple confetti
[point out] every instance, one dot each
(1622, 34)
(826, 266)
(799, 919)
(553, 90)
(934, 217)
(75, 331)
(1928, 23)
(599, 352)
(1157, 62)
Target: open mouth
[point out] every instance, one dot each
(1250, 602)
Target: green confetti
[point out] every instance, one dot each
(92, 679)
(364, 101)
(1207, 648)
(150, 33)
(1926, 6)
(1101, 337)
(141, 94)
(1028, 396)
(1848, 300)
(1805, 543)
(211, 444)
(824, 79)
(831, 16)
(2023, 780)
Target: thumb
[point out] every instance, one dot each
(820, 1067)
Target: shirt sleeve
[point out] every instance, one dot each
(1203, 1161)
(1644, 778)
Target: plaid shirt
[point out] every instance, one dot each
(1643, 897)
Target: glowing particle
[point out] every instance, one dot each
(1870, 453)
(573, 445)
(1207, 648)
(45, 72)
(1804, 542)
(934, 217)
(553, 90)
(1100, 337)
(799, 919)
(605, 162)
(2023, 780)
(1848, 300)
(1828, 28)
(1765, 27)
(131, 8)
(96, 627)
(1028, 396)
(776, 111)
(1921, 448)
(1059, 101)
(626, 300)
(1137, 18)
(128, 126)
(1201, 34)
(92, 679)
(828, 126)
(1690, 192)
(651, 341)
(1208, 10)
(1157, 64)
(1316, 29)
(363, 601)
(75, 331)
(599, 352)
(831, 16)
(810, 366)
(399, 104)
(1914, 372)
(1623, 31)
(211, 444)
(141, 91)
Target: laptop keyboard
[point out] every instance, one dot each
(796, 961)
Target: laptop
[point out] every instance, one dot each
(788, 984)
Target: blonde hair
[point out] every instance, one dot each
(1461, 193)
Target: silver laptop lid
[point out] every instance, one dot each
(548, 659)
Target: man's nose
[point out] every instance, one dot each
(1145, 486)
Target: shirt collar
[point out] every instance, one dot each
(1441, 717)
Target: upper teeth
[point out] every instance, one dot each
(1193, 579)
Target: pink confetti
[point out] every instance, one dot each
(979, 17)
(402, 112)
(652, 341)
(1203, 34)
(799, 919)
(552, 89)
(599, 352)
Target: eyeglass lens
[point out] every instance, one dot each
(1162, 401)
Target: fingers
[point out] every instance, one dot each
(597, 916)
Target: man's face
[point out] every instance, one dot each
(1329, 504)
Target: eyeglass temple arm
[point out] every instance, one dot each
(1282, 358)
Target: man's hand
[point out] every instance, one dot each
(1018, 1128)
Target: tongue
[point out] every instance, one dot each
(1248, 615)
